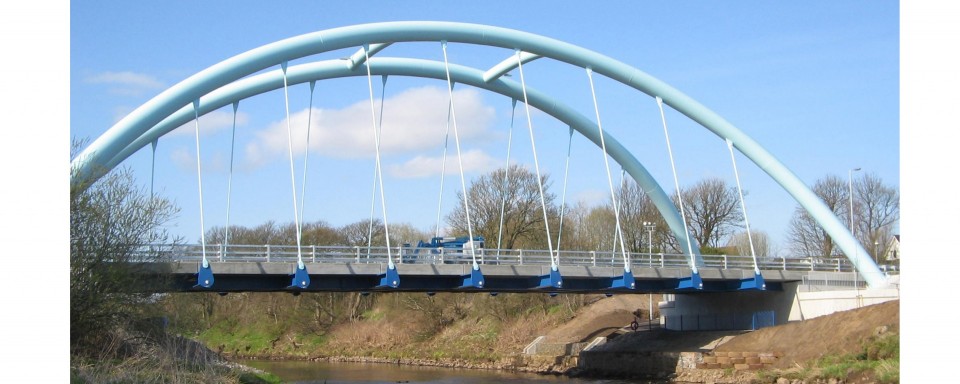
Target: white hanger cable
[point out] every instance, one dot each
(676, 182)
(456, 139)
(506, 176)
(293, 181)
(373, 188)
(563, 198)
(203, 238)
(443, 170)
(306, 155)
(606, 162)
(233, 137)
(743, 207)
(376, 136)
(554, 259)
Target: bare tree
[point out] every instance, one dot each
(110, 221)
(523, 214)
(761, 243)
(876, 207)
(805, 236)
(713, 212)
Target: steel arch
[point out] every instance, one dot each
(89, 164)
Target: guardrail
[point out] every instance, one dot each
(414, 255)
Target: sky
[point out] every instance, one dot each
(812, 82)
(816, 84)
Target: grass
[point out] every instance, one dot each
(879, 360)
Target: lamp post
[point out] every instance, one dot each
(649, 226)
(853, 231)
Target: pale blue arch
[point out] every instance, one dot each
(330, 69)
(90, 163)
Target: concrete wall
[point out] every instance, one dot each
(808, 305)
(794, 303)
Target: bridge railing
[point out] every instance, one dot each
(414, 255)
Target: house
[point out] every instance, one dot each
(893, 250)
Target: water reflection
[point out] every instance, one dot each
(311, 372)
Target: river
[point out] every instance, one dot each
(312, 372)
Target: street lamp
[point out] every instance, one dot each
(853, 231)
(649, 226)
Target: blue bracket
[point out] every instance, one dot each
(473, 280)
(553, 280)
(755, 283)
(390, 279)
(693, 282)
(301, 279)
(624, 282)
(204, 276)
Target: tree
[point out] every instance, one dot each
(761, 243)
(110, 221)
(877, 208)
(713, 211)
(805, 236)
(523, 223)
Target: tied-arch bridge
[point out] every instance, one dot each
(231, 267)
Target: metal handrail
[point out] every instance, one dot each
(413, 255)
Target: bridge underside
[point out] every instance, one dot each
(362, 277)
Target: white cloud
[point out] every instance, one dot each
(422, 166)
(413, 121)
(210, 123)
(127, 83)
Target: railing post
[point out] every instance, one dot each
(313, 253)
(220, 252)
(593, 257)
(358, 253)
(520, 257)
(662, 262)
(839, 269)
(268, 252)
(724, 261)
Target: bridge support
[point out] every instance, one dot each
(204, 276)
(754, 283)
(551, 280)
(624, 282)
(390, 278)
(694, 282)
(301, 279)
(473, 280)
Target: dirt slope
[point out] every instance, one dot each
(838, 333)
(603, 316)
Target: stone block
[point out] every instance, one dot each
(752, 360)
(738, 360)
(723, 360)
(733, 354)
(709, 359)
(741, 367)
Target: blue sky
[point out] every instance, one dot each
(816, 84)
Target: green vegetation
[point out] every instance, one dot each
(879, 360)
(117, 328)
(468, 327)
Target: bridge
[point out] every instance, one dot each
(269, 268)
(231, 267)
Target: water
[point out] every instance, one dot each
(311, 372)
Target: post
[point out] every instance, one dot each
(358, 253)
(520, 257)
(593, 257)
(313, 253)
(649, 226)
(853, 231)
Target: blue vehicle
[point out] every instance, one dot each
(451, 249)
